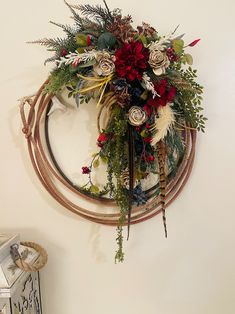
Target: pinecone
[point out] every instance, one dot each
(121, 28)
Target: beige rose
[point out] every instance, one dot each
(159, 61)
(105, 65)
(137, 116)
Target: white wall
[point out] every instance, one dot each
(190, 272)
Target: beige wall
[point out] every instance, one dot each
(192, 272)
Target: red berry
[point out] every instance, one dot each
(85, 170)
(63, 52)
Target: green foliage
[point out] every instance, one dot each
(117, 162)
(188, 101)
(178, 45)
(106, 41)
(188, 58)
(58, 79)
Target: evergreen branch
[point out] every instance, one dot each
(76, 17)
(108, 11)
(96, 12)
(52, 59)
(48, 42)
(69, 30)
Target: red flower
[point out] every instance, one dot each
(164, 94)
(85, 170)
(171, 94)
(148, 139)
(148, 110)
(102, 139)
(150, 158)
(131, 60)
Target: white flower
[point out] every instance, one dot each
(105, 65)
(137, 116)
(159, 61)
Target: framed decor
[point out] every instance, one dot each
(143, 105)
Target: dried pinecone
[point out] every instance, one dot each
(122, 29)
(146, 30)
(120, 88)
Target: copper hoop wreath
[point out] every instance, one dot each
(48, 174)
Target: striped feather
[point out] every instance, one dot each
(161, 153)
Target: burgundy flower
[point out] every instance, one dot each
(148, 139)
(165, 94)
(86, 170)
(148, 110)
(131, 60)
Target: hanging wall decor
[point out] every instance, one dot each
(148, 111)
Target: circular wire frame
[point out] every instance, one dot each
(50, 174)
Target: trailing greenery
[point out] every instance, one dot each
(59, 78)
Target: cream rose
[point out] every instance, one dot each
(137, 116)
(105, 65)
(159, 61)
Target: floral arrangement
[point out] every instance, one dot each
(146, 85)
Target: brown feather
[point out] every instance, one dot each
(161, 153)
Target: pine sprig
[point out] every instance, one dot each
(76, 17)
(68, 29)
(96, 12)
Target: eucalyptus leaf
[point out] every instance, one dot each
(178, 45)
(189, 58)
(106, 40)
(87, 64)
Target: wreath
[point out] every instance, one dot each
(149, 111)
